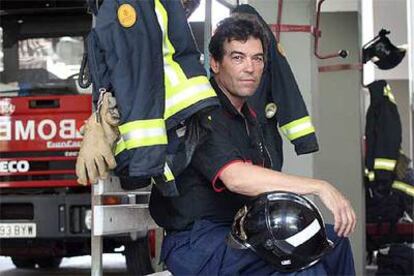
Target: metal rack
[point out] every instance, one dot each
(130, 217)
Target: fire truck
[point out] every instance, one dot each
(44, 214)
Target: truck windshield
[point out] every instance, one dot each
(41, 66)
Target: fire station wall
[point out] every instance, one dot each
(339, 123)
(400, 90)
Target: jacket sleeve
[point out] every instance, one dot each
(292, 115)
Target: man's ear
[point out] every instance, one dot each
(214, 65)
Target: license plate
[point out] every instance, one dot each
(17, 230)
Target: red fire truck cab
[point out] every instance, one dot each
(44, 214)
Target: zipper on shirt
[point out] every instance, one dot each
(261, 143)
(264, 145)
(246, 125)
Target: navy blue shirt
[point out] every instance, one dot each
(233, 137)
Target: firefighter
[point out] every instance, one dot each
(230, 168)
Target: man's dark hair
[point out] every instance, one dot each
(238, 27)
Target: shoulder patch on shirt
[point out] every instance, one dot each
(127, 15)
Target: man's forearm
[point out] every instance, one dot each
(251, 180)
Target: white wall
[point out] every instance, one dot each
(340, 131)
(340, 6)
(401, 93)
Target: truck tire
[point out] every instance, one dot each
(21, 262)
(49, 262)
(138, 257)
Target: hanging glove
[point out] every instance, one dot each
(96, 156)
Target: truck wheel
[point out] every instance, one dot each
(51, 262)
(138, 257)
(21, 262)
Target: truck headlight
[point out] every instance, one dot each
(88, 219)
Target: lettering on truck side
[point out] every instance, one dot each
(14, 166)
(45, 130)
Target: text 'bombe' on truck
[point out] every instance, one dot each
(44, 214)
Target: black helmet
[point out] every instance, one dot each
(382, 52)
(285, 229)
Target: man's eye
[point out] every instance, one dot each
(237, 58)
(258, 59)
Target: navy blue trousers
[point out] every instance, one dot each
(203, 251)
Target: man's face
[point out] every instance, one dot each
(241, 68)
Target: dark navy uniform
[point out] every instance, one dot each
(198, 221)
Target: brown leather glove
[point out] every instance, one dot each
(96, 156)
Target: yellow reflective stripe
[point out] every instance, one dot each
(173, 74)
(187, 94)
(145, 142)
(142, 124)
(168, 173)
(180, 92)
(170, 77)
(404, 187)
(384, 164)
(370, 175)
(388, 93)
(143, 133)
(298, 128)
(119, 147)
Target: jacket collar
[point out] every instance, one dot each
(376, 90)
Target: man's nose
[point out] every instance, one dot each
(249, 65)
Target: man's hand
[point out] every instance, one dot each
(96, 156)
(344, 215)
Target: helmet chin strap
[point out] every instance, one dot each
(239, 242)
(236, 244)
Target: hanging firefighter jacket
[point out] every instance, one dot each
(383, 137)
(144, 52)
(387, 196)
(278, 101)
